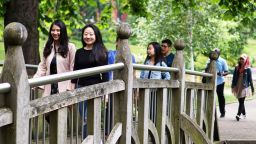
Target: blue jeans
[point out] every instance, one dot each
(83, 113)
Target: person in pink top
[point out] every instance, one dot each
(58, 57)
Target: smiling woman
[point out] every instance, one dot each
(92, 54)
(55, 32)
(58, 57)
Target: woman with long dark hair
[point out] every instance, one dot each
(242, 80)
(92, 54)
(58, 57)
(154, 58)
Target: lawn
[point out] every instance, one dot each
(230, 98)
(250, 50)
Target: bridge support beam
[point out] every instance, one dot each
(14, 72)
(178, 93)
(123, 99)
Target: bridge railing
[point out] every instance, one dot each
(173, 111)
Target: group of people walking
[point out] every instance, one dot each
(158, 55)
(59, 56)
(241, 86)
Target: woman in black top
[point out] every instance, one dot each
(93, 54)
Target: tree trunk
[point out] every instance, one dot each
(26, 12)
(98, 11)
(191, 39)
(114, 11)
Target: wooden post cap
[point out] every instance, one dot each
(214, 55)
(124, 31)
(179, 44)
(15, 34)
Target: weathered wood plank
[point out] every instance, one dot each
(143, 112)
(193, 130)
(123, 100)
(189, 102)
(211, 98)
(161, 113)
(200, 107)
(195, 85)
(151, 83)
(14, 72)
(170, 131)
(153, 130)
(135, 136)
(178, 93)
(6, 116)
(58, 126)
(49, 103)
(94, 119)
(88, 140)
(115, 134)
(189, 109)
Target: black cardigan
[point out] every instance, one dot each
(82, 62)
(247, 78)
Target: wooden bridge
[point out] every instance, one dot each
(184, 110)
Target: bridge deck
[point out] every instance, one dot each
(245, 129)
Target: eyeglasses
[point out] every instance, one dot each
(165, 46)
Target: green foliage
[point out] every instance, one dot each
(244, 10)
(226, 24)
(1, 28)
(250, 50)
(197, 20)
(3, 7)
(66, 10)
(138, 7)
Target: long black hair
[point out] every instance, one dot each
(157, 50)
(63, 48)
(99, 51)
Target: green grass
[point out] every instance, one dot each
(230, 98)
(250, 50)
(2, 53)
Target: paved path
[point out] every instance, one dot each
(245, 129)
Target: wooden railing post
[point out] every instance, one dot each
(14, 72)
(58, 126)
(210, 103)
(178, 93)
(123, 100)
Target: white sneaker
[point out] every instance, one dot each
(244, 116)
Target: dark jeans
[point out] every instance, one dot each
(221, 98)
(109, 115)
(83, 114)
(241, 108)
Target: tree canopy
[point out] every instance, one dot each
(203, 24)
